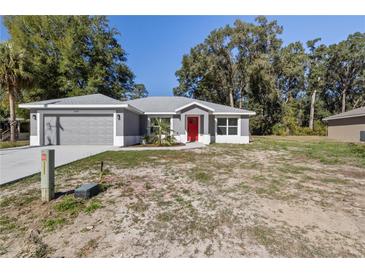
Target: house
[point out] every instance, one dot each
(98, 119)
(347, 126)
(21, 130)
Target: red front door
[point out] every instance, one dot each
(193, 129)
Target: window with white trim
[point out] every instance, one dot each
(227, 126)
(154, 123)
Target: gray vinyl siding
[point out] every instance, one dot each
(211, 125)
(131, 123)
(143, 123)
(245, 131)
(178, 125)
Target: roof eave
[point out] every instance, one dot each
(343, 117)
(192, 104)
(58, 106)
(160, 113)
(250, 113)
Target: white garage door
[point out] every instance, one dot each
(78, 130)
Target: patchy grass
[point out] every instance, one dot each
(92, 206)
(8, 144)
(326, 151)
(87, 248)
(276, 197)
(70, 205)
(7, 224)
(20, 200)
(200, 175)
(52, 224)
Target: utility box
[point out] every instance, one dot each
(87, 191)
(47, 174)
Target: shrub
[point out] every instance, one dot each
(319, 128)
(279, 129)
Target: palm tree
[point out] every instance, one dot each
(162, 133)
(13, 77)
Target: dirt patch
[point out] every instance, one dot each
(220, 201)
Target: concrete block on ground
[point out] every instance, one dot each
(87, 191)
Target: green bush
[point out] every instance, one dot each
(280, 130)
(319, 128)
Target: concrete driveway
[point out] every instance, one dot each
(17, 163)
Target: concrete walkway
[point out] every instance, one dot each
(17, 163)
(139, 148)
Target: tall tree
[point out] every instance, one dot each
(13, 77)
(72, 55)
(221, 68)
(315, 74)
(291, 67)
(139, 91)
(346, 68)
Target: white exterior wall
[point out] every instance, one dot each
(35, 140)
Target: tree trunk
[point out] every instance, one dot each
(12, 117)
(311, 115)
(241, 98)
(344, 100)
(231, 103)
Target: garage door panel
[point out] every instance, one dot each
(84, 129)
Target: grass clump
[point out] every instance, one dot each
(70, 205)
(52, 223)
(200, 175)
(165, 216)
(7, 224)
(92, 207)
(67, 209)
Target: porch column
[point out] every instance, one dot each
(206, 124)
(205, 137)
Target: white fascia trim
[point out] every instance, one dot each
(344, 117)
(134, 109)
(192, 104)
(73, 106)
(160, 113)
(127, 106)
(235, 113)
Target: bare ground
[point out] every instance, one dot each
(273, 198)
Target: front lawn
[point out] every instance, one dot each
(277, 197)
(8, 144)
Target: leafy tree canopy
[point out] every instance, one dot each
(72, 55)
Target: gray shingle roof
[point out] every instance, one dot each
(147, 104)
(171, 103)
(348, 114)
(92, 99)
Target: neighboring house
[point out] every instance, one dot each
(347, 126)
(22, 129)
(98, 119)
